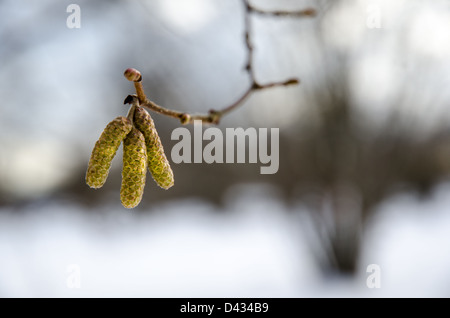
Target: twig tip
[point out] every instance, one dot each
(132, 75)
(292, 81)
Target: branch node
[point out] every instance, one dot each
(185, 118)
(256, 86)
(214, 116)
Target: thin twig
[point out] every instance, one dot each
(214, 116)
(295, 14)
(248, 40)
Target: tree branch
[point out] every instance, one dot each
(214, 116)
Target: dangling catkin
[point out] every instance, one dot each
(134, 169)
(104, 151)
(158, 164)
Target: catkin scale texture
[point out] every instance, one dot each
(158, 164)
(134, 169)
(105, 149)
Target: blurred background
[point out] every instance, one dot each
(364, 150)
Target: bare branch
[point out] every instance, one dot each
(214, 116)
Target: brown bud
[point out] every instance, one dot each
(132, 75)
(185, 119)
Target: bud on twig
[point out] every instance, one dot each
(185, 118)
(133, 75)
(104, 151)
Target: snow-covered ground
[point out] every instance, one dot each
(255, 248)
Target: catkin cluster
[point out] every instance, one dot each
(142, 148)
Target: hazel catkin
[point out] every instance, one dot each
(158, 164)
(105, 149)
(134, 169)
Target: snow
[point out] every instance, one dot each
(254, 247)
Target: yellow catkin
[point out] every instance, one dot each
(158, 164)
(104, 151)
(134, 169)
